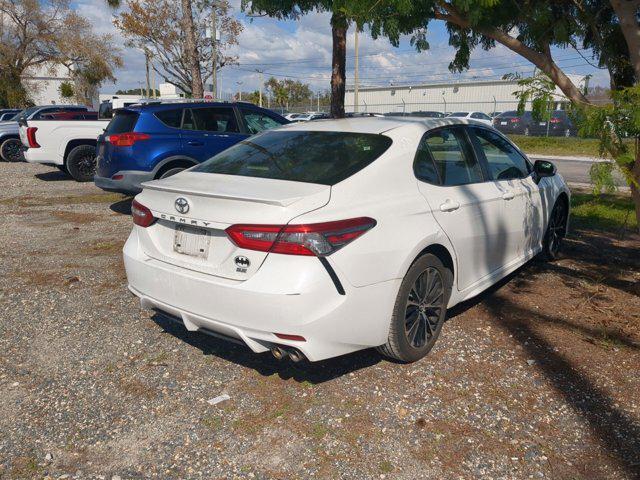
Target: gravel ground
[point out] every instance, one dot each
(536, 379)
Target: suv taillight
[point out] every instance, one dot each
(141, 215)
(31, 137)
(554, 120)
(318, 239)
(126, 139)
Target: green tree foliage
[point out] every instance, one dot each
(288, 92)
(66, 90)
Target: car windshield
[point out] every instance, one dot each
(300, 156)
(459, 114)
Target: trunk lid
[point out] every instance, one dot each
(194, 209)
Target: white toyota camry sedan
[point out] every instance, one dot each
(318, 239)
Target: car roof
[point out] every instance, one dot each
(376, 124)
(156, 106)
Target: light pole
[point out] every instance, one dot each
(239, 90)
(355, 75)
(261, 72)
(214, 51)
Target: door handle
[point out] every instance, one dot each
(508, 195)
(195, 143)
(449, 206)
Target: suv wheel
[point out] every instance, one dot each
(420, 310)
(11, 150)
(81, 163)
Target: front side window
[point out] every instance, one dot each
(300, 156)
(455, 163)
(504, 161)
(212, 119)
(258, 121)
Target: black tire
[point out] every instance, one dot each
(556, 231)
(419, 311)
(11, 150)
(81, 163)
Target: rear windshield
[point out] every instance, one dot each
(459, 114)
(123, 121)
(300, 156)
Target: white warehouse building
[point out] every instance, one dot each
(479, 95)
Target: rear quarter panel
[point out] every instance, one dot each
(386, 191)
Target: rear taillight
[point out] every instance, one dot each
(126, 139)
(554, 120)
(142, 216)
(31, 137)
(515, 120)
(318, 239)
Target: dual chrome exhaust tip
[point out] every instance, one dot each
(281, 353)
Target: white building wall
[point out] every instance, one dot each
(483, 96)
(43, 84)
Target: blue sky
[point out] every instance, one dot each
(302, 50)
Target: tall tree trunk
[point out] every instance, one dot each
(338, 64)
(635, 187)
(191, 50)
(627, 13)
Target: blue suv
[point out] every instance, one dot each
(156, 140)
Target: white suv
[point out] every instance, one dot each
(318, 239)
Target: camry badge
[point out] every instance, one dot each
(182, 205)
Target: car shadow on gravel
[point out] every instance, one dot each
(617, 432)
(264, 363)
(122, 207)
(53, 176)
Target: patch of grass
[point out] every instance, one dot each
(386, 466)
(318, 430)
(602, 212)
(214, 422)
(573, 146)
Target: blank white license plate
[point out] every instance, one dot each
(191, 241)
(542, 124)
(503, 123)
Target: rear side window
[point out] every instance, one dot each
(212, 119)
(123, 121)
(300, 156)
(171, 118)
(455, 163)
(258, 121)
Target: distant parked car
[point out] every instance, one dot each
(477, 116)
(10, 144)
(362, 114)
(73, 115)
(310, 116)
(560, 125)
(396, 114)
(494, 114)
(8, 113)
(427, 114)
(156, 140)
(512, 122)
(293, 116)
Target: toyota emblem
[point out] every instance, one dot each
(182, 205)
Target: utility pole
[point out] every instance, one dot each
(318, 100)
(153, 80)
(261, 72)
(355, 75)
(214, 51)
(146, 66)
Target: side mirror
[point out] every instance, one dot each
(543, 168)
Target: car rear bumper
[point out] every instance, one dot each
(288, 295)
(130, 183)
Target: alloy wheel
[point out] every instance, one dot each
(424, 307)
(556, 228)
(87, 165)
